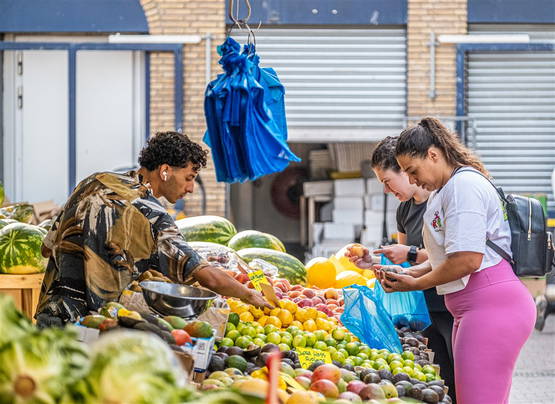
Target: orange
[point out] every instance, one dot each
(320, 273)
(257, 313)
(275, 312)
(286, 318)
(309, 325)
(288, 305)
(311, 313)
(322, 324)
(246, 317)
(321, 314)
(273, 320)
(262, 320)
(241, 308)
(300, 315)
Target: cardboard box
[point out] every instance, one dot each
(313, 188)
(350, 187)
(348, 203)
(374, 187)
(339, 231)
(348, 216)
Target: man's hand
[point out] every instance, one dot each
(256, 299)
(396, 253)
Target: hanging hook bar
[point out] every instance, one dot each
(237, 21)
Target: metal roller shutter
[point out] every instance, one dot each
(512, 97)
(341, 84)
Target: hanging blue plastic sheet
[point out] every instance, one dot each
(366, 318)
(247, 142)
(407, 309)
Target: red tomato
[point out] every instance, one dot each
(181, 337)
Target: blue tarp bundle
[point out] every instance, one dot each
(245, 117)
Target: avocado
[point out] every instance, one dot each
(93, 320)
(400, 391)
(440, 392)
(315, 365)
(235, 350)
(199, 329)
(237, 362)
(233, 319)
(371, 377)
(385, 374)
(400, 377)
(372, 391)
(217, 363)
(176, 322)
(430, 396)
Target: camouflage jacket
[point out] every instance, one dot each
(110, 231)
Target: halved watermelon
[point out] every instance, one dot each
(255, 239)
(20, 249)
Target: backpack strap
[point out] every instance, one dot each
(501, 194)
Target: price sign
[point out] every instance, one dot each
(257, 278)
(307, 356)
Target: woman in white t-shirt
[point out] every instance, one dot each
(494, 313)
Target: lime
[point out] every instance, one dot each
(408, 355)
(398, 370)
(394, 357)
(241, 325)
(226, 342)
(365, 349)
(229, 327)
(382, 366)
(429, 369)
(420, 376)
(233, 335)
(259, 329)
(320, 335)
(269, 329)
(273, 338)
(321, 345)
(286, 338)
(395, 364)
(409, 363)
(331, 349)
(349, 361)
(310, 339)
(430, 377)
(376, 365)
(243, 342)
(344, 352)
(299, 341)
(330, 341)
(338, 356)
(408, 370)
(356, 360)
(293, 330)
(338, 334)
(362, 356)
(348, 338)
(284, 347)
(249, 331)
(366, 364)
(417, 367)
(259, 341)
(352, 348)
(261, 336)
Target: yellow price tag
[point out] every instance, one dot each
(307, 356)
(290, 381)
(257, 278)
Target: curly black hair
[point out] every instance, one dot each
(383, 156)
(174, 149)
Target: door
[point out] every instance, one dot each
(110, 118)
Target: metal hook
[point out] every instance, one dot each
(235, 18)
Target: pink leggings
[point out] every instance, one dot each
(494, 316)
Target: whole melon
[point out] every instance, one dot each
(20, 249)
(5, 222)
(214, 229)
(255, 239)
(288, 266)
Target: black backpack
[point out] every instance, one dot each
(531, 243)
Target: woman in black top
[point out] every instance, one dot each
(410, 248)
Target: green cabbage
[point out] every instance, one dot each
(132, 367)
(39, 367)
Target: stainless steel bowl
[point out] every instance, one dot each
(171, 299)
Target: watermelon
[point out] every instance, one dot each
(288, 266)
(214, 229)
(5, 222)
(208, 247)
(20, 249)
(255, 239)
(22, 212)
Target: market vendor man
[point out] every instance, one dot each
(113, 228)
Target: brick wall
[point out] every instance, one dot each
(441, 17)
(186, 17)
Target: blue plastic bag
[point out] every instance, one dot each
(366, 318)
(247, 141)
(407, 309)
